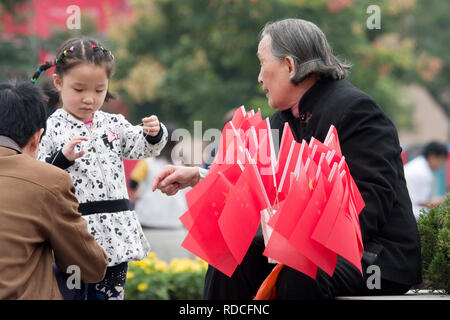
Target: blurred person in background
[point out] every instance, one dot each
(155, 209)
(420, 178)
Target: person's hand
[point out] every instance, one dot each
(174, 178)
(69, 149)
(435, 201)
(151, 125)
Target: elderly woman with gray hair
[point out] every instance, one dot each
(305, 83)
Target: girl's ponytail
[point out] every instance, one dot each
(43, 67)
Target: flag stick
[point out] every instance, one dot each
(341, 163)
(319, 167)
(332, 172)
(328, 135)
(300, 158)
(330, 155)
(288, 160)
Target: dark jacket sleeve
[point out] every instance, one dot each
(370, 145)
(59, 159)
(67, 233)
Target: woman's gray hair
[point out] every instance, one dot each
(307, 45)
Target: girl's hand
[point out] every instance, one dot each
(151, 126)
(69, 149)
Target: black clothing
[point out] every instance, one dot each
(370, 144)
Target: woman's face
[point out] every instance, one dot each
(274, 77)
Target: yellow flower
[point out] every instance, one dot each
(183, 265)
(147, 270)
(143, 263)
(142, 287)
(161, 266)
(130, 275)
(151, 255)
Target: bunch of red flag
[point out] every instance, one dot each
(305, 199)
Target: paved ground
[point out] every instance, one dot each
(410, 295)
(166, 243)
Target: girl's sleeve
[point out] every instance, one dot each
(46, 146)
(51, 153)
(135, 144)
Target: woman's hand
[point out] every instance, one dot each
(174, 178)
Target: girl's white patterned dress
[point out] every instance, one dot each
(99, 175)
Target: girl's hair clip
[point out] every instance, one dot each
(95, 48)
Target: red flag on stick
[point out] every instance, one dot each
(301, 235)
(241, 215)
(332, 141)
(204, 238)
(343, 238)
(294, 204)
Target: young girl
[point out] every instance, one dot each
(90, 145)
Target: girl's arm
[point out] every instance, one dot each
(136, 144)
(62, 157)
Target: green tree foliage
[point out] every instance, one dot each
(430, 27)
(9, 5)
(195, 59)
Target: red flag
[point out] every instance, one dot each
(205, 239)
(301, 235)
(285, 145)
(210, 243)
(332, 141)
(238, 116)
(354, 191)
(289, 153)
(328, 218)
(241, 215)
(265, 159)
(251, 120)
(343, 239)
(281, 250)
(231, 150)
(213, 180)
(226, 138)
(319, 149)
(302, 158)
(251, 143)
(293, 206)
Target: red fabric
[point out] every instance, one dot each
(205, 238)
(241, 215)
(301, 235)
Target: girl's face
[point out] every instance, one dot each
(83, 90)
